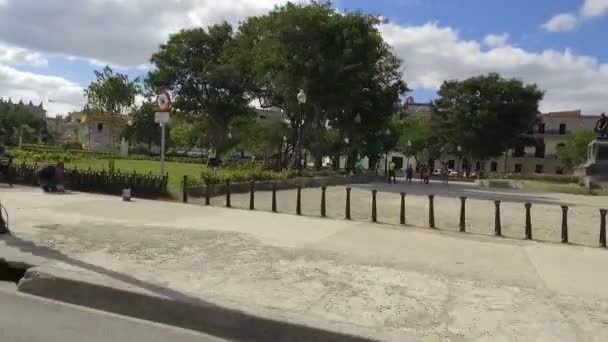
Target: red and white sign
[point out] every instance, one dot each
(163, 100)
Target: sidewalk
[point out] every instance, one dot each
(214, 269)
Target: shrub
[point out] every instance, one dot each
(243, 173)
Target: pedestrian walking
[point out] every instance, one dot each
(391, 173)
(409, 173)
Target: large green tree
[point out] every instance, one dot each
(340, 60)
(486, 114)
(111, 92)
(142, 128)
(199, 68)
(574, 151)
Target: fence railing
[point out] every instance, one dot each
(141, 185)
(527, 232)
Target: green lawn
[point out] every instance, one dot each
(176, 171)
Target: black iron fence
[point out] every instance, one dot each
(141, 185)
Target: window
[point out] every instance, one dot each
(518, 168)
(538, 168)
(451, 164)
(99, 126)
(262, 117)
(540, 150)
(494, 166)
(477, 166)
(560, 145)
(562, 128)
(518, 152)
(559, 170)
(541, 128)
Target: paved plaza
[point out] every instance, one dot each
(379, 281)
(583, 213)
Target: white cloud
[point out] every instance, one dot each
(12, 55)
(65, 95)
(432, 54)
(96, 30)
(561, 23)
(568, 21)
(496, 40)
(113, 31)
(594, 8)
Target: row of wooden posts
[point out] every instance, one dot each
(374, 218)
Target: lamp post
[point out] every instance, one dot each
(409, 146)
(301, 97)
(387, 133)
(459, 149)
(346, 141)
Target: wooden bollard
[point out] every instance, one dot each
(603, 227)
(252, 195)
(274, 197)
(497, 225)
(528, 206)
(299, 201)
(564, 224)
(462, 223)
(431, 211)
(374, 209)
(228, 204)
(347, 208)
(402, 211)
(323, 189)
(208, 193)
(185, 189)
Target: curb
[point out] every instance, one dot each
(199, 316)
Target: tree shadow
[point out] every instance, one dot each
(168, 306)
(456, 190)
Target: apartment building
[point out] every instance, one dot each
(549, 134)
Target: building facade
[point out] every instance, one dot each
(548, 135)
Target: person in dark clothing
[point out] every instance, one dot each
(601, 127)
(409, 173)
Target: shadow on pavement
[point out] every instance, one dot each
(168, 306)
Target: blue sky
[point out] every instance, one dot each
(558, 44)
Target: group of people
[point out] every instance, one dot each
(423, 170)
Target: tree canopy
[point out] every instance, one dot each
(486, 114)
(198, 67)
(574, 151)
(111, 92)
(352, 79)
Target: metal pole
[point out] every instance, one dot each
(497, 225)
(347, 209)
(603, 227)
(374, 213)
(528, 206)
(462, 224)
(564, 224)
(402, 212)
(431, 211)
(162, 149)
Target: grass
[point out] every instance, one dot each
(567, 188)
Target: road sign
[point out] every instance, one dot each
(163, 100)
(162, 117)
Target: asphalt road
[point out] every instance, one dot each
(32, 319)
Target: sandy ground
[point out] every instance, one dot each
(546, 212)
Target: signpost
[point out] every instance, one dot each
(163, 100)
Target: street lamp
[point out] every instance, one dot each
(358, 119)
(302, 98)
(459, 149)
(409, 146)
(346, 140)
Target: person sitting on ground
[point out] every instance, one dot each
(601, 127)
